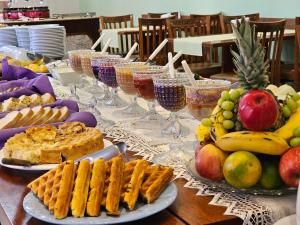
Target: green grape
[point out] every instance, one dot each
(286, 111)
(228, 124)
(297, 132)
(227, 105)
(206, 122)
(225, 95)
(220, 101)
(241, 91)
(296, 97)
(295, 142)
(234, 95)
(291, 104)
(227, 115)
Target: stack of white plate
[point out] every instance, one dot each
(23, 37)
(48, 40)
(8, 36)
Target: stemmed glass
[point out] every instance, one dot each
(124, 73)
(107, 75)
(143, 81)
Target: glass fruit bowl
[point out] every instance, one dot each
(223, 185)
(202, 99)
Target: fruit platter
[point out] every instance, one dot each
(251, 141)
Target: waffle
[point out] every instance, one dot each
(133, 177)
(81, 188)
(96, 188)
(157, 179)
(113, 185)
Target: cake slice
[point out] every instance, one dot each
(157, 180)
(10, 120)
(64, 114)
(35, 100)
(26, 113)
(81, 189)
(96, 188)
(55, 116)
(24, 101)
(44, 117)
(133, 178)
(47, 99)
(10, 104)
(38, 111)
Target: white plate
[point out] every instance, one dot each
(35, 208)
(43, 167)
(289, 220)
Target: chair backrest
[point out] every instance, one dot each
(178, 28)
(114, 22)
(213, 20)
(151, 33)
(158, 15)
(226, 21)
(271, 36)
(297, 28)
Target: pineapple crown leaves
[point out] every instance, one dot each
(251, 67)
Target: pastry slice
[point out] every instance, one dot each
(35, 100)
(10, 120)
(156, 182)
(133, 178)
(1, 107)
(113, 185)
(38, 111)
(65, 112)
(26, 116)
(24, 101)
(81, 189)
(47, 99)
(46, 115)
(10, 104)
(96, 188)
(56, 113)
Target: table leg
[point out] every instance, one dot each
(227, 64)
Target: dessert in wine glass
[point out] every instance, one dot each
(143, 81)
(124, 74)
(107, 75)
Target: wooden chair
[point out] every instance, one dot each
(271, 37)
(158, 15)
(296, 71)
(151, 33)
(213, 20)
(178, 28)
(115, 22)
(226, 21)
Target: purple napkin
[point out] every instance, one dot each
(10, 72)
(39, 85)
(85, 117)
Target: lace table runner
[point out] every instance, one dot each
(253, 210)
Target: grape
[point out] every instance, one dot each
(297, 132)
(296, 97)
(295, 142)
(227, 105)
(206, 122)
(220, 101)
(291, 104)
(241, 91)
(286, 111)
(228, 115)
(234, 95)
(228, 124)
(225, 95)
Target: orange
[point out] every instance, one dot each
(242, 169)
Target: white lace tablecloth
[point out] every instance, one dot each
(251, 209)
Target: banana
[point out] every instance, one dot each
(217, 130)
(260, 142)
(286, 131)
(203, 134)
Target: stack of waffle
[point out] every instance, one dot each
(82, 189)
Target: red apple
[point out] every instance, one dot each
(209, 162)
(289, 167)
(258, 110)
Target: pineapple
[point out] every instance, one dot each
(251, 67)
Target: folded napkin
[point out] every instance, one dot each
(85, 117)
(38, 85)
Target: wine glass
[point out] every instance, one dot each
(124, 74)
(107, 75)
(143, 81)
(170, 94)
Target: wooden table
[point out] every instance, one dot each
(73, 25)
(187, 209)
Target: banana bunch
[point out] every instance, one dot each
(217, 130)
(260, 142)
